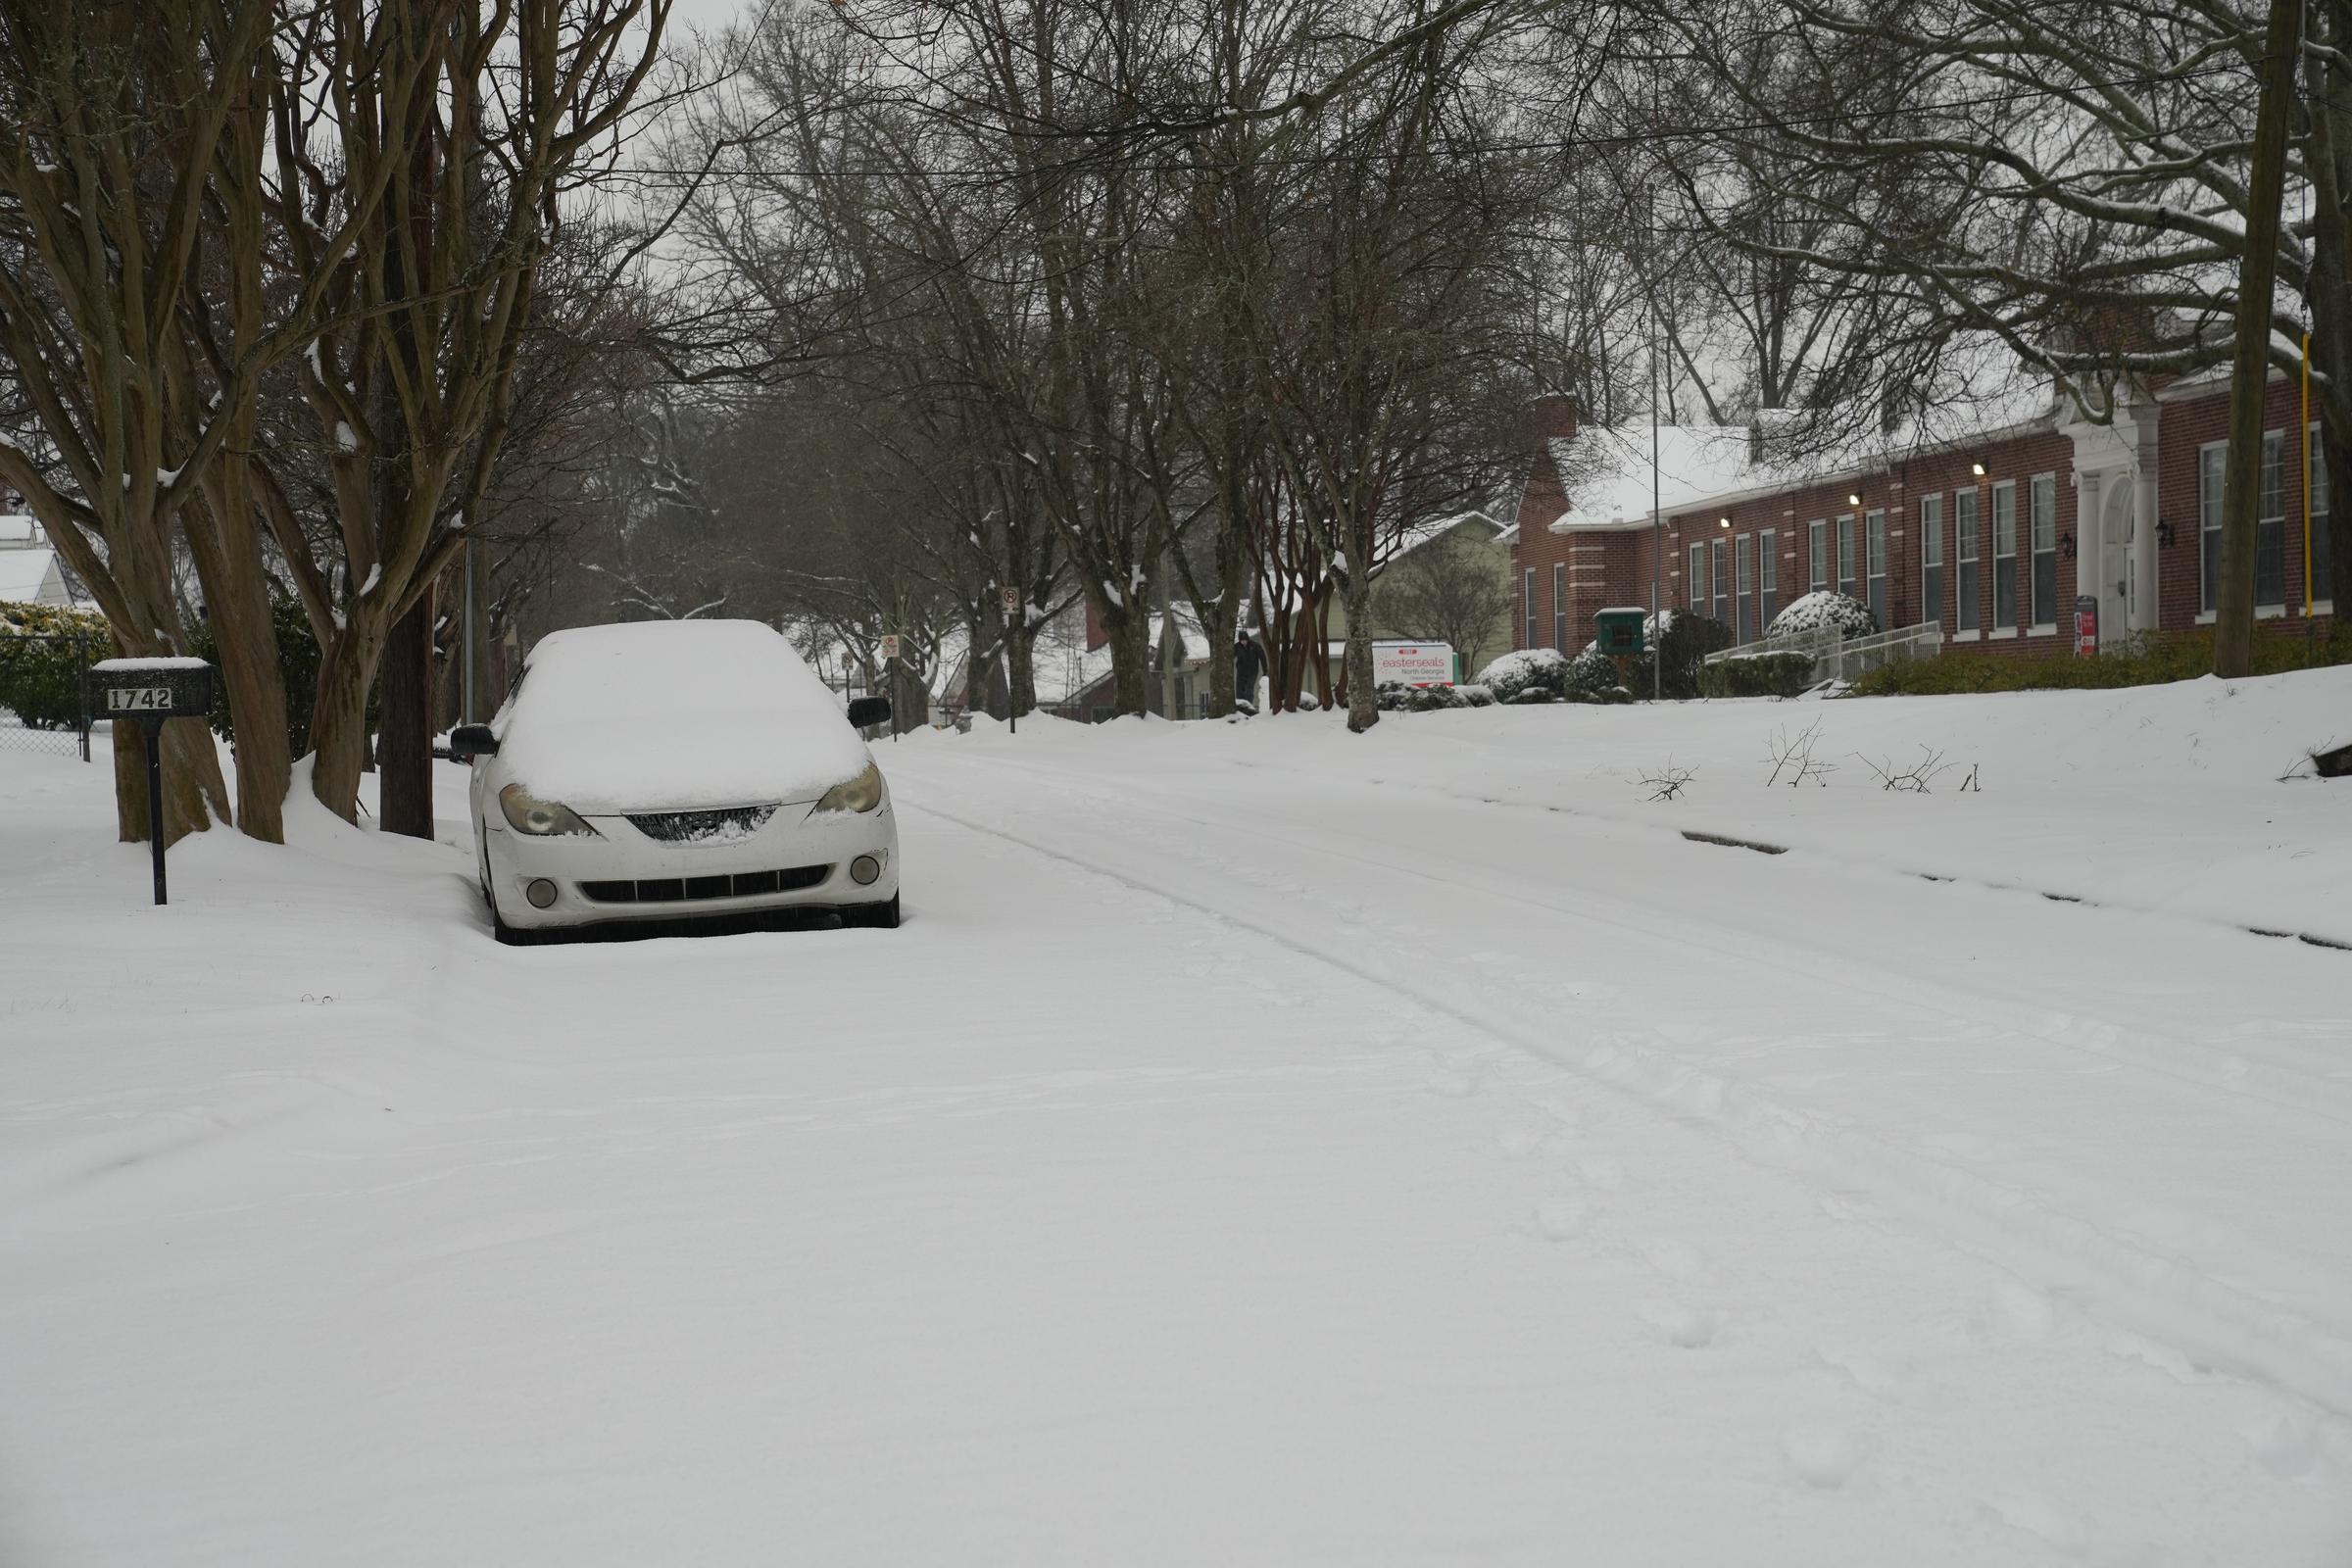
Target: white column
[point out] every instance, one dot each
(2143, 591)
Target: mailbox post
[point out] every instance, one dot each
(148, 691)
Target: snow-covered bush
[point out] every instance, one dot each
(1818, 611)
(1758, 675)
(1396, 696)
(1525, 671)
(1593, 672)
(1307, 703)
(1474, 695)
(41, 679)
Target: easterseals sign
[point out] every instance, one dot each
(1412, 663)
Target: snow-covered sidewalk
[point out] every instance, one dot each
(1261, 1144)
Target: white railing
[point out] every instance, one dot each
(1838, 657)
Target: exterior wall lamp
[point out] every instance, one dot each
(2164, 531)
(1853, 501)
(1977, 468)
(2066, 545)
(1727, 523)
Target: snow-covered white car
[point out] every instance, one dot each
(675, 768)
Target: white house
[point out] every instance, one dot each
(28, 568)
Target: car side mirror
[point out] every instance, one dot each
(865, 712)
(470, 741)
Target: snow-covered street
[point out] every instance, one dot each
(1261, 1144)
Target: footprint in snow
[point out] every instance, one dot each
(1822, 1456)
(1686, 1328)
(1559, 1218)
(2284, 1443)
(1519, 1141)
(1880, 1378)
(2036, 1515)
(1676, 1260)
(2019, 1312)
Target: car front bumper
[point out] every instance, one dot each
(796, 860)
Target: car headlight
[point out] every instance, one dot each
(527, 813)
(861, 794)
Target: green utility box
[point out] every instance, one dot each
(1620, 630)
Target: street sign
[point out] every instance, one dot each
(146, 692)
(890, 646)
(2086, 626)
(1012, 601)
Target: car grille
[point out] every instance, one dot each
(725, 826)
(681, 889)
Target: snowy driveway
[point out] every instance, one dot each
(1238, 1157)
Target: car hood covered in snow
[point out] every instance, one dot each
(674, 715)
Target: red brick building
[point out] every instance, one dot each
(1991, 535)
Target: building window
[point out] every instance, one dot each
(1817, 545)
(1745, 553)
(1931, 558)
(1528, 595)
(1968, 544)
(1847, 581)
(2315, 461)
(1768, 558)
(2270, 526)
(1699, 577)
(2004, 556)
(2213, 466)
(1874, 544)
(1723, 582)
(1560, 607)
(2043, 500)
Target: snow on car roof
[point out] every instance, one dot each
(671, 714)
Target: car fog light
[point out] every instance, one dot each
(540, 893)
(864, 869)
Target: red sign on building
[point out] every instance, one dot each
(2086, 627)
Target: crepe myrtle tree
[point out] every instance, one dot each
(137, 323)
(480, 125)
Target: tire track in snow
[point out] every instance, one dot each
(2163, 1297)
(2200, 1067)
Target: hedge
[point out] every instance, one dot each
(297, 659)
(2143, 660)
(1758, 675)
(41, 679)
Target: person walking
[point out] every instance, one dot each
(1248, 663)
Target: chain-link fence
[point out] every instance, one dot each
(42, 703)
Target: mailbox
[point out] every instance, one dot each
(151, 688)
(1620, 630)
(148, 691)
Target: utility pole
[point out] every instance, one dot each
(1657, 532)
(2249, 367)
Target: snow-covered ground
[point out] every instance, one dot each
(1260, 1145)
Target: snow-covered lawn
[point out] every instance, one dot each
(1260, 1145)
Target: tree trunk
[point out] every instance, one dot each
(1020, 669)
(1363, 701)
(1130, 664)
(2326, 97)
(405, 725)
(2233, 605)
(339, 725)
(226, 549)
(1222, 623)
(193, 791)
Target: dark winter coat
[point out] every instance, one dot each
(1247, 665)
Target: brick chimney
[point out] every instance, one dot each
(1550, 417)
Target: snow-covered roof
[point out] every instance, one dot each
(1063, 667)
(18, 529)
(1606, 471)
(1415, 535)
(29, 577)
